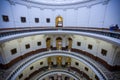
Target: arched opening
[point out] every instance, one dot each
(48, 43)
(69, 43)
(68, 61)
(59, 43)
(59, 60)
(59, 21)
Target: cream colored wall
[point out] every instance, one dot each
(78, 38)
(110, 51)
(24, 41)
(97, 45)
(81, 67)
(19, 44)
(116, 59)
(26, 72)
(7, 50)
(32, 40)
(92, 42)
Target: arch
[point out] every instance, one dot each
(59, 43)
(68, 61)
(59, 21)
(48, 43)
(53, 53)
(69, 43)
(59, 60)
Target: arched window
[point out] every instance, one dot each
(59, 43)
(69, 43)
(59, 21)
(48, 43)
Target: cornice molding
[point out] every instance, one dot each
(88, 3)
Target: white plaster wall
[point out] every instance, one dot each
(34, 13)
(19, 11)
(71, 17)
(48, 14)
(5, 9)
(112, 13)
(83, 17)
(100, 15)
(96, 16)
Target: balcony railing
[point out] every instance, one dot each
(55, 71)
(15, 31)
(21, 67)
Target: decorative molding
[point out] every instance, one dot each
(105, 2)
(76, 5)
(11, 2)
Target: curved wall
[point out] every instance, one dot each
(99, 15)
(30, 66)
(31, 45)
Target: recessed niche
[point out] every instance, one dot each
(78, 43)
(31, 68)
(5, 18)
(90, 46)
(13, 51)
(96, 77)
(23, 19)
(39, 43)
(20, 76)
(36, 20)
(103, 52)
(41, 63)
(86, 69)
(48, 20)
(76, 63)
(27, 46)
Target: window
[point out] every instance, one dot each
(23, 19)
(41, 63)
(104, 52)
(48, 20)
(86, 68)
(13, 51)
(27, 46)
(36, 20)
(89, 46)
(76, 63)
(31, 68)
(78, 43)
(5, 18)
(39, 43)
(20, 76)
